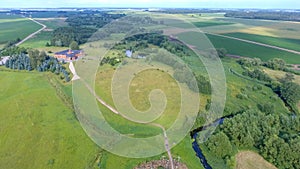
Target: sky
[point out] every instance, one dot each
(265, 4)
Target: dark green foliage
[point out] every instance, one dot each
(19, 62)
(13, 50)
(92, 20)
(64, 36)
(81, 27)
(219, 145)
(257, 74)
(268, 108)
(74, 45)
(249, 62)
(290, 92)
(39, 61)
(276, 64)
(110, 60)
(274, 135)
(203, 84)
(222, 52)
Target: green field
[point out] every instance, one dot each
(280, 42)
(37, 129)
(244, 49)
(210, 23)
(139, 90)
(13, 28)
(39, 41)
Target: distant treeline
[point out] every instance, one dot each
(268, 15)
(189, 11)
(81, 27)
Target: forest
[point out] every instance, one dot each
(80, 28)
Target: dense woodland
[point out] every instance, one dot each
(81, 28)
(268, 15)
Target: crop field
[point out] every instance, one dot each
(39, 41)
(280, 42)
(208, 24)
(278, 33)
(252, 160)
(13, 28)
(244, 49)
(37, 129)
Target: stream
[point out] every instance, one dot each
(196, 147)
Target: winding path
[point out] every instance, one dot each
(34, 33)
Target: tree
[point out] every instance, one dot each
(222, 52)
(290, 92)
(74, 45)
(220, 145)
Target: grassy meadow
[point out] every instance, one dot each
(37, 129)
(139, 90)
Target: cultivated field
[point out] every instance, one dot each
(244, 49)
(15, 27)
(39, 41)
(276, 41)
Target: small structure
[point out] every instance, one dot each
(3, 60)
(68, 55)
(128, 53)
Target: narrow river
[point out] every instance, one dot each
(196, 147)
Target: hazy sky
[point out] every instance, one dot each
(289, 4)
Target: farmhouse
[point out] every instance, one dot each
(68, 55)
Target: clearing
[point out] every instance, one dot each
(252, 160)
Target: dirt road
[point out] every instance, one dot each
(34, 33)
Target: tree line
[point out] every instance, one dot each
(36, 60)
(80, 28)
(267, 15)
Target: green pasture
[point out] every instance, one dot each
(37, 129)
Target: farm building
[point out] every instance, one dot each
(68, 55)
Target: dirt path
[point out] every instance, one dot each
(34, 33)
